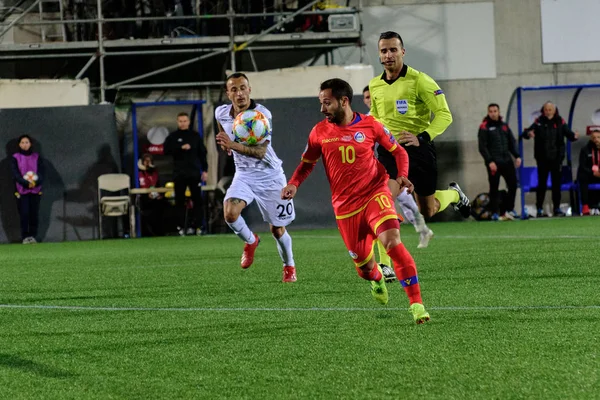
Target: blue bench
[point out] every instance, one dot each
(528, 182)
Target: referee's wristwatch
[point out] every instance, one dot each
(424, 137)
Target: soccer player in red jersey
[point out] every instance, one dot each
(360, 196)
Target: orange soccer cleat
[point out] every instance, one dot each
(289, 274)
(248, 254)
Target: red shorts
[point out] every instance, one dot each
(361, 228)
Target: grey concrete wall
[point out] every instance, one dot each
(519, 63)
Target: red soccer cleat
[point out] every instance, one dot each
(585, 210)
(248, 254)
(289, 274)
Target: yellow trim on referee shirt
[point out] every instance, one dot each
(344, 216)
(365, 261)
(382, 220)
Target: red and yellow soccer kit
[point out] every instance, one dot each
(361, 199)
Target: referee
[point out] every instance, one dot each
(402, 99)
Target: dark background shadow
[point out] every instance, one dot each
(79, 144)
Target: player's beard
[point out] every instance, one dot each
(338, 116)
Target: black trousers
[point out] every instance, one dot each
(545, 167)
(198, 202)
(152, 216)
(584, 179)
(508, 172)
(29, 207)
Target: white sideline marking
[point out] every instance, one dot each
(291, 309)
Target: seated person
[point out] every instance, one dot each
(151, 204)
(589, 168)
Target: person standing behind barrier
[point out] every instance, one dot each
(189, 170)
(589, 168)
(497, 146)
(27, 171)
(151, 204)
(549, 131)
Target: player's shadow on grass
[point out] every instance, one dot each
(25, 365)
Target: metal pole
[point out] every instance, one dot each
(32, 56)
(136, 155)
(159, 71)
(101, 54)
(35, 3)
(171, 85)
(520, 128)
(231, 14)
(166, 51)
(253, 60)
(362, 43)
(86, 66)
(180, 51)
(224, 50)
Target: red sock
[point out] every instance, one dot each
(406, 272)
(373, 275)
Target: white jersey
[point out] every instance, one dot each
(269, 166)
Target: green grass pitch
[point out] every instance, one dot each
(515, 310)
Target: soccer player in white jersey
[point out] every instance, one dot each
(258, 176)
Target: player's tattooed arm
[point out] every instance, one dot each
(257, 151)
(235, 201)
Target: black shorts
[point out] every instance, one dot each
(422, 171)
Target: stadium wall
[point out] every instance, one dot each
(77, 144)
(32, 93)
(274, 84)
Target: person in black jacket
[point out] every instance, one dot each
(497, 146)
(549, 132)
(589, 168)
(189, 170)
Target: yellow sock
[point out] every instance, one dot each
(446, 197)
(383, 256)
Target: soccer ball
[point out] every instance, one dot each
(480, 207)
(251, 127)
(30, 176)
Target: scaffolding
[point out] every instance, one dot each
(204, 47)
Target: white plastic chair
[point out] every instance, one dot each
(118, 205)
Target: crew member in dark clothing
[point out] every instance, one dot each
(589, 168)
(189, 170)
(497, 145)
(549, 132)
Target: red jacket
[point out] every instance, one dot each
(148, 177)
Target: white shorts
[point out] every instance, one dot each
(267, 194)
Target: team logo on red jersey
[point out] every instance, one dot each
(359, 137)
